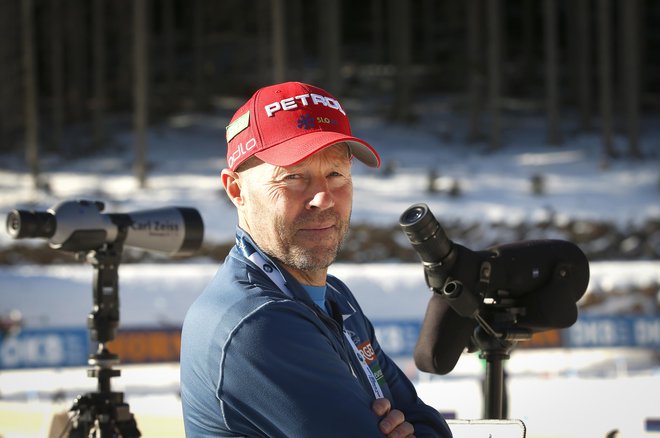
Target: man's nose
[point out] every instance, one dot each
(321, 197)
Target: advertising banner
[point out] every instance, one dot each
(66, 347)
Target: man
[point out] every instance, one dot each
(275, 346)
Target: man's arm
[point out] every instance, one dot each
(426, 420)
(283, 376)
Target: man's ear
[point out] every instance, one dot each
(232, 184)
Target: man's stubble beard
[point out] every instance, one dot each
(309, 259)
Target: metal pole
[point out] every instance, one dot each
(494, 385)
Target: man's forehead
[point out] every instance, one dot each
(338, 151)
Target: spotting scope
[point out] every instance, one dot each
(82, 226)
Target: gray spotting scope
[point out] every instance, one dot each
(81, 226)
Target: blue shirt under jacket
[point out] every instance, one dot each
(260, 361)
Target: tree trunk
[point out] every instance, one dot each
(169, 43)
(280, 65)
(551, 71)
(264, 47)
(400, 44)
(98, 108)
(295, 38)
(56, 76)
(475, 70)
(378, 30)
(199, 80)
(77, 65)
(583, 59)
(630, 58)
(30, 96)
(428, 28)
(140, 110)
(528, 43)
(605, 67)
(330, 39)
(493, 12)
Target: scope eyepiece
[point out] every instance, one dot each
(413, 215)
(22, 224)
(425, 233)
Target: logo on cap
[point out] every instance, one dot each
(303, 100)
(305, 121)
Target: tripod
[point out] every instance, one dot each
(496, 346)
(103, 413)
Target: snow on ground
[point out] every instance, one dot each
(558, 392)
(186, 158)
(550, 404)
(61, 295)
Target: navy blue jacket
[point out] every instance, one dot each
(260, 361)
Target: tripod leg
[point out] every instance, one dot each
(494, 388)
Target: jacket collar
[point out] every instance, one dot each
(285, 281)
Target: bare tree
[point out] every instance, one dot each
(631, 84)
(76, 55)
(140, 91)
(428, 20)
(529, 38)
(551, 71)
(378, 31)
(169, 46)
(400, 44)
(264, 45)
(99, 101)
(494, 25)
(280, 61)
(583, 60)
(475, 70)
(56, 75)
(30, 87)
(330, 43)
(605, 68)
(199, 83)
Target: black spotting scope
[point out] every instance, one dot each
(511, 290)
(78, 226)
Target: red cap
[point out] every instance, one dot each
(284, 124)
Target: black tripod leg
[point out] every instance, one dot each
(494, 388)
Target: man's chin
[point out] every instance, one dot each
(314, 259)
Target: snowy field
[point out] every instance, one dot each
(558, 393)
(551, 405)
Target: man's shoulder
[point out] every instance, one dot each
(234, 295)
(236, 285)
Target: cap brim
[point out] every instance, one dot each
(297, 149)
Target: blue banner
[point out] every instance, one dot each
(44, 348)
(63, 347)
(397, 337)
(613, 331)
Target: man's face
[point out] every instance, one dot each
(299, 214)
